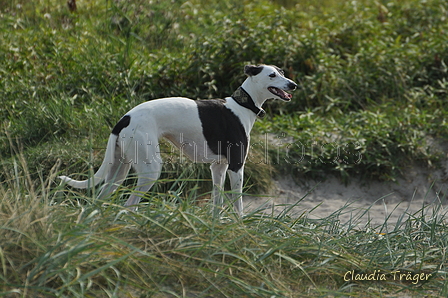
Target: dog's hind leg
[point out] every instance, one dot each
(114, 179)
(116, 175)
(147, 170)
(236, 183)
(218, 177)
(147, 176)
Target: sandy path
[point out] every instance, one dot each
(420, 188)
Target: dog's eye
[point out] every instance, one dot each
(273, 75)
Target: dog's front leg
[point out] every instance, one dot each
(218, 177)
(236, 183)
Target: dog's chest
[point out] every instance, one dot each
(223, 131)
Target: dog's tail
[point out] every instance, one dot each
(102, 171)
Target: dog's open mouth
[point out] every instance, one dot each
(280, 93)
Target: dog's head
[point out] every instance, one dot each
(271, 80)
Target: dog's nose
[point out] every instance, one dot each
(292, 86)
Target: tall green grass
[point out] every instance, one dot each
(372, 74)
(58, 243)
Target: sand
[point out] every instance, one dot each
(371, 204)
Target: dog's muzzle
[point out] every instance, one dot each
(291, 86)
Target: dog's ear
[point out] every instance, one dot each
(279, 70)
(252, 70)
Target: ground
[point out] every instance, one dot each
(366, 201)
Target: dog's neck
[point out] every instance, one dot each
(244, 99)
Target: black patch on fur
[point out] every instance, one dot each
(124, 122)
(252, 70)
(223, 131)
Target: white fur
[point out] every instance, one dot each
(177, 120)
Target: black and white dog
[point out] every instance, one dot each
(207, 131)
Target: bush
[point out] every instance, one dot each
(67, 75)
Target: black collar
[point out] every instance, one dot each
(243, 99)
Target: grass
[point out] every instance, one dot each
(373, 93)
(58, 243)
(377, 69)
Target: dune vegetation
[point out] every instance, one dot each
(372, 100)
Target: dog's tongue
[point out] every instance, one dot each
(284, 94)
(281, 93)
